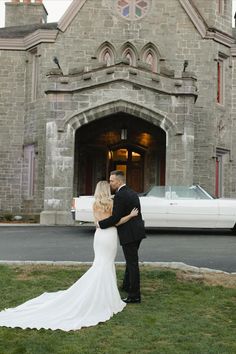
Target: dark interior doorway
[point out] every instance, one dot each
(119, 141)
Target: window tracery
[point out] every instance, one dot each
(107, 57)
(132, 9)
(150, 56)
(106, 54)
(129, 54)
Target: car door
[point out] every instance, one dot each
(227, 217)
(154, 211)
(190, 210)
(193, 213)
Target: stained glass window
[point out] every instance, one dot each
(132, 9)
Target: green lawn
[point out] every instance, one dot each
(175, 317)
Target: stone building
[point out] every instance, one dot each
(146, 86)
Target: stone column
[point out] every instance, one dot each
(180, 145)
(179, 159)
(58, 190)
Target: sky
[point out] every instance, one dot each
(56, 9)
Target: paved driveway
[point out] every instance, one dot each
(216, 250)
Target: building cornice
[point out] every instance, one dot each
(184, 86)
(233, 50)
(27, 42)
(220, 37)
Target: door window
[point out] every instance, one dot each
(131, 163)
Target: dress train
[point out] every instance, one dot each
(91, 299)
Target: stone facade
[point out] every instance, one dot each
(166, 75)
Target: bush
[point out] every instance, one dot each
(8, 217)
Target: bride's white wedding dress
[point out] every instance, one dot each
(92, 299)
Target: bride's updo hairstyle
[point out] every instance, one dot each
(103, 200)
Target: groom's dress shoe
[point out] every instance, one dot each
(132, 300)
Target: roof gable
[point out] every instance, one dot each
(48, 33)
(194, 15)
(70, 14)
(197, 19)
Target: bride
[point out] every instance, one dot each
(93, 298)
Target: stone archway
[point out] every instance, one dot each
(60, 143)
(155, 117)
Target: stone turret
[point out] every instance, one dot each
(25, 12)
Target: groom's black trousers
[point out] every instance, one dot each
(131, 282)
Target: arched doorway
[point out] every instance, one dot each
(119, 141)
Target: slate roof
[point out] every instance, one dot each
(24, 30)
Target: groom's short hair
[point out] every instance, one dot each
(119, 174)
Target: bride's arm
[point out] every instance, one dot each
(126, 218)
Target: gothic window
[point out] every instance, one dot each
(151, 59)
(150, 56)
(35, 74)
(106, 54)
(220, 81)
(129, 54)
(221, 7)
(107, 57)
(132, 9)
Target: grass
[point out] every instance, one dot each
(175, 317)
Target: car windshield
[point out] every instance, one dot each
(178, 192)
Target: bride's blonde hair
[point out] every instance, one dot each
(103, 200)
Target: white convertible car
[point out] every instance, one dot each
(174, 207)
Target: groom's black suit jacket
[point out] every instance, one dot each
(124, 201)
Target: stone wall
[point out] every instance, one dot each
(222, 19)
(12, 109)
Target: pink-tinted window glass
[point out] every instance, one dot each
(128, 56)
(107, 58)
(150, 59)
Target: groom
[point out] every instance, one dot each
(130, 233)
